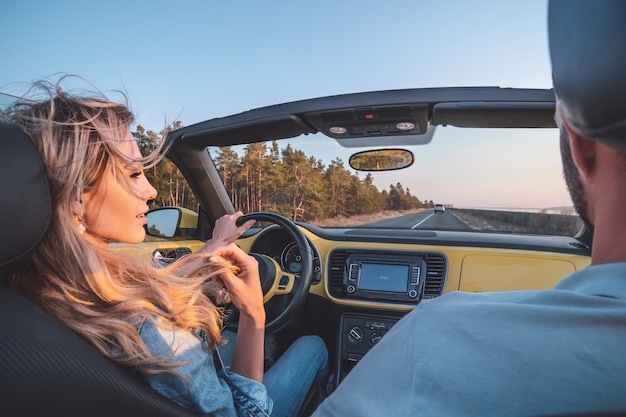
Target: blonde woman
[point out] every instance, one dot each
(159, 322)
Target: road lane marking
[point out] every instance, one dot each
(431, 214)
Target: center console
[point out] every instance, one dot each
(358, 333)
(372, 280)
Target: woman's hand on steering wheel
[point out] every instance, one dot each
(226, 231)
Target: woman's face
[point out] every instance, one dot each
(112, 212)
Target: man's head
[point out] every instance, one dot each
(588, 51)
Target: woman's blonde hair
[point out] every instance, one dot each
(100, 294)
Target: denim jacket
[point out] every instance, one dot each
(212, 388)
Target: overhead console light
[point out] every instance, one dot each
(337, 130)
(376, 128)
(405, 126)
(365, 128)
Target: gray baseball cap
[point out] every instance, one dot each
(587, 40)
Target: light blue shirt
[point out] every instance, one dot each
(213, 389)
(499, 354)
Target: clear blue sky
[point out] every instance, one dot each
(194, 60)
(198, 59)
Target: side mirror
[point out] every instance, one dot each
(171, 222)
(163, 222)
(382, 160)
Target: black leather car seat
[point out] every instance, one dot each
(45, 368)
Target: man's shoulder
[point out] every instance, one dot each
(607, 281)
(461, 299)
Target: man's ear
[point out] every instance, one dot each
(583, 150)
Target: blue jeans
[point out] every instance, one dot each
(289, 380)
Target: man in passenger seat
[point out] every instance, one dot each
(530, 352)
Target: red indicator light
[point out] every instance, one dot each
(369, 116)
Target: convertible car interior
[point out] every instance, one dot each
(348, 283)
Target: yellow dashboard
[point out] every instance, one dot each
(472, 269)
(468, 268)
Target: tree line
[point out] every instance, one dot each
(281, 180)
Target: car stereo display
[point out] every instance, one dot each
(384, 277)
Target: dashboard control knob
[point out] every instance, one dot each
(412, 293)
(376, 336)
(355, 334)
(350, 289)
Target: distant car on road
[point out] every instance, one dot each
(439, 208)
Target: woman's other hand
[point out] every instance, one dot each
(246, 294)
(244, 288)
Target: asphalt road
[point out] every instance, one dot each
(427, 219)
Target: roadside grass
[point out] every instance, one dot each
(519, 222)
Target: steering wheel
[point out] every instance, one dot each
(275, 280)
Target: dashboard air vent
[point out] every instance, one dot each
(435, 275)
(335, 273)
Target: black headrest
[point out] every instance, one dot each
(588, 51)
(25, 207)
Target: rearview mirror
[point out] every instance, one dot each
(382, 160)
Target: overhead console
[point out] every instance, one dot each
(386, 276)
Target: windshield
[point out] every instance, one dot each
(486, 180)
